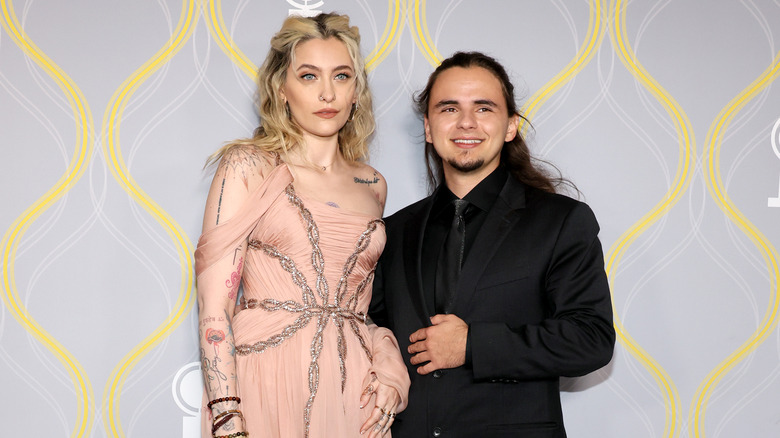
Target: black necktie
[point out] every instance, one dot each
(450, 260)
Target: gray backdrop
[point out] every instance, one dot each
(664, 113)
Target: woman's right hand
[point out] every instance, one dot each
(386, 401)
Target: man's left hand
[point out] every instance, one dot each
(442, 345)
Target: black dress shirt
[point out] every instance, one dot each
(481, 199)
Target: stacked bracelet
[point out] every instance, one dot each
(223, 399)
(230, 412)
(223, 418)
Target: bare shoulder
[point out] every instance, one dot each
(241, 169)
(371, 178)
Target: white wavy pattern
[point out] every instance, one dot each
(662, 112)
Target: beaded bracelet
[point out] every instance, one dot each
(223, 399)
(233, 435)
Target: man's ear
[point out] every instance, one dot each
(428, 137)
(511, 130)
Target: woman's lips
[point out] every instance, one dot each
(326, 113)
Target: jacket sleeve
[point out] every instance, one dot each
(576, 335)
(377, 310)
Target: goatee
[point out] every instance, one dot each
(465, 167)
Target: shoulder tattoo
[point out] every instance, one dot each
(367, 181)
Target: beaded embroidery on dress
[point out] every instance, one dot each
(303, 348)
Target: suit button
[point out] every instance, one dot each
(436, 375)
(437, 431)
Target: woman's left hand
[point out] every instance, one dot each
(383, 412)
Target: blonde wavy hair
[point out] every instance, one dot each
(278, 133)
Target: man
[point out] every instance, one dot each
(492, 300)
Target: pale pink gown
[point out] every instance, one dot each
(303, 351)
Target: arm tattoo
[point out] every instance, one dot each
(219, 205)
(212, 375)
(367, 181)
(243, 159)
(215, 337)
(235, 252)
(235, 279)
(230, 342)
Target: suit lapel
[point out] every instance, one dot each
(500, 220)
(414, 231)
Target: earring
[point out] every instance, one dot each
(352, 113)
(322, 99)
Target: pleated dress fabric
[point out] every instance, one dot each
(304, 353)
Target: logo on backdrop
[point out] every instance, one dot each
(775, 202)
(305, 9)
(187, 393)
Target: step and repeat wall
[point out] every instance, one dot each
(666, 115)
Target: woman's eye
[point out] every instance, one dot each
(308, 77)
(342, 76)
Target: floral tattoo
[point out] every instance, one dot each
(235, 280)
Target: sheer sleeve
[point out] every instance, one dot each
(388, 365)
(220, 241)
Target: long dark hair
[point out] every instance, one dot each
(515, 155)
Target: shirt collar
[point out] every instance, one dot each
(482, 196)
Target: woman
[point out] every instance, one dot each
(294, 215)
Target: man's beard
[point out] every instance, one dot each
(466, 167)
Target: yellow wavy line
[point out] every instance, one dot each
(683, 176)
(216, 25)
(81, 157)
(768, 252)
(111, 125)
(218, 30)
(595, 34)
(421, 36)
(390, 36)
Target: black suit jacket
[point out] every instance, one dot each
(535, 295)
